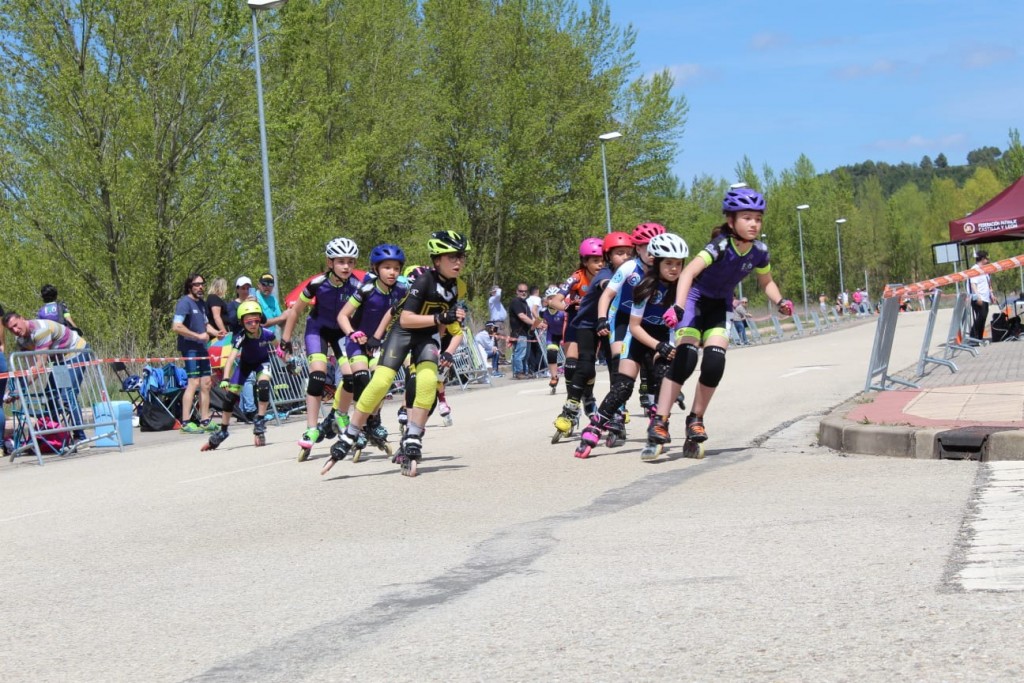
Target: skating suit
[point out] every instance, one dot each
(710, 298)
(322, 331)
(573, 289)
(626, 278)
(252, 354)
(650, 311)
(373, 302)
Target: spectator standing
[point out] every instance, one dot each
(47, 335)
(498, 315)
(194, 330)
(823, 304)
(216, 307)
(521, 323)
(488, 347)
(739, 319)
(54, 310)
(269, 303)
(535, 354)
(981, 297)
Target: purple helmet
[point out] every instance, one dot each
(743, 199)
(592, 246)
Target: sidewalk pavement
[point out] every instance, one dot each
(983, 402)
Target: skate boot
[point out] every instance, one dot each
(693, 447)
(259, 430)
(590, 407)
(590, 437)
(341, 421)
(327, 429)
(309, 437)
(445, 411)
(409, 454)
(403, 420)
(567, 421)
(616, 429)
(359, 445)
(657, 437)
(216, 439)
(553, 384)
(339, 450)
(681, 401)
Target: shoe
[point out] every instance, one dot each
(497, 374)
(79, 435)
(192, 428)
(210, 427)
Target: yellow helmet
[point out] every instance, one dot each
(250, 308)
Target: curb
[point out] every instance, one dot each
(900, 441)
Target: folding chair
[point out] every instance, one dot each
(131, 385)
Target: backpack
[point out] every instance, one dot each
(152, 382)
(51, 443)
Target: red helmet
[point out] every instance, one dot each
(617, 239)
(591, 246)
(643, 233)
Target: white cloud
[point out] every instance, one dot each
(683, 74)
(986, 56)
(769, 41)
(920, 142)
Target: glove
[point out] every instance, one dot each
(372, 344)
(602, 326)
(446, 318)
(672, 316)
(785, 307)
(358, 337)
(665, 349)
(446, 358)
(280, 352)
(287, 346)
(224, 384)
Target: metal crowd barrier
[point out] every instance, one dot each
(288, 386)
(925, 359)
(58, 398)
(878, 367)
(799, 327)
(959, 328)
(778, 334)
(468, 367)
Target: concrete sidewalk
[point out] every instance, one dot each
(984, 399)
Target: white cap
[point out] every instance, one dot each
(243, 281)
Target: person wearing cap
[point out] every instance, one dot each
(243, 289)
(268, 302)
(981, 296)
(489, 350)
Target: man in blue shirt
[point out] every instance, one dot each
(269, 303)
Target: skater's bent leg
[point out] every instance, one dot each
(372, 396)
(712, 368)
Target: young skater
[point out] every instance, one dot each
(554, 324)
(431, 304)
(647, 343)
(330, 290)
(703, 298)
(250, 353)
(616, 249)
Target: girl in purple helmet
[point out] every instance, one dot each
(703, 300)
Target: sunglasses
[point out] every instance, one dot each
(198, 284)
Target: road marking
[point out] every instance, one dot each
(246, 469)
(800, 371)
(30, 514)
(994, 553)
(504, 415)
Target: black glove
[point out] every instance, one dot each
(664, 349)
(372, 344)
(602, 325)
(446, 318)
(446, 358)
(286, 346)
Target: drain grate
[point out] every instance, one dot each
(966, 443)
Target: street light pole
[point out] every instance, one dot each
(839, 249)
(604, 168)
(257, 6)
(803, 267)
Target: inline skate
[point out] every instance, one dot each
(567, 422)
(216, 439)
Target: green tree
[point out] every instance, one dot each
(1011, 166)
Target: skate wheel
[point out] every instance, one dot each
(327, 466)
(447, 419)
(409, 467)
(557, 436)
(303, 454)
(649, 453)
(388, 449)
(260, 441)
(693, 449)
(357, 454)
(206, 447)
(583, 452)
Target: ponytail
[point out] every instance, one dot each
(649, 284)
(722, 230)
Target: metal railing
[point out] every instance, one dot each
(926, 343)
(879, 378)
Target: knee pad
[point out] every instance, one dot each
(622, 389)
(426, 386)
(552, 355)
(317, 382)
(713, 366)
(360, 380)
(263, 390)
(569, 370)
(348, 383)
(683, 364)
(585, 371)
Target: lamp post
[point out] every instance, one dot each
(803, 268)
(258, 6)
(839, 248)
(604, 168)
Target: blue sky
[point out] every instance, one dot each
(840, 82)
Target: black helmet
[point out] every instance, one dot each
(447, 242)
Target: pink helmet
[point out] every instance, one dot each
(643, 233)
(592, 246)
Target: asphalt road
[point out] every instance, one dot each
(507, 559)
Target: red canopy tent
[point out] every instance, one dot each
(999, 219)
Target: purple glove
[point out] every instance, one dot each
(672, 316)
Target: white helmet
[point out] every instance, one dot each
(667, 245)
(340, 247)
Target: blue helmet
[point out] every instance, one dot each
(743, 199)
(386, 252)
